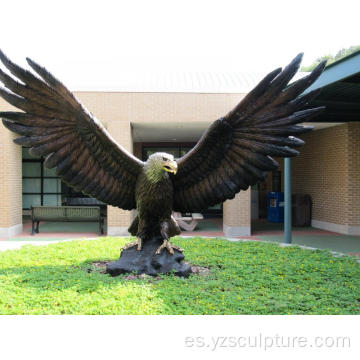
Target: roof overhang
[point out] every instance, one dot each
(175, 132)
(337, 71)
(340, 84)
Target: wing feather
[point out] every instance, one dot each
(235, 152)
(56, 125)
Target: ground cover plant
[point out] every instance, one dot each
(243, 278)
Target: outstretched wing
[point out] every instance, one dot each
(236, 150)
(54, 124)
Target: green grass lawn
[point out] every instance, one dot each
(244, 278)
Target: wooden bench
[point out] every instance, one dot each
(189, 221)
(66, 214)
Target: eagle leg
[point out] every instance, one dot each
(168, 245)
(137, 242)
(164, 230)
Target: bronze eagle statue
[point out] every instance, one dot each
(234, 153)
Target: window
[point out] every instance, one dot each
(41, 186)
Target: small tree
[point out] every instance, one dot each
(332, 58)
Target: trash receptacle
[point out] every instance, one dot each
(301, 210)
(276, 207)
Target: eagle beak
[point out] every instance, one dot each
(171, 166)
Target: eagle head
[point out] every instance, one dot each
(158, 164)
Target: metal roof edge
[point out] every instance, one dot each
(339, 70)
(345, 58)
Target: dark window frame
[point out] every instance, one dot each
(64, 194)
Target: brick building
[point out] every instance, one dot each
(147, 117)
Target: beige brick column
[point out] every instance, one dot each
(237, 215)
(119, 220)
(353, 179)
(10, 185)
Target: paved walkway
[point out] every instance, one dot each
(317, 238)
(261, 230)
(12, 245)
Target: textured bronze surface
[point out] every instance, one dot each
(234, 153)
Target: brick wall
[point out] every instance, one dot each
(329, 170)
(10, 181)
(321, 171)
(114, 109)
(353, 174)
(118, 220)
(237, 215)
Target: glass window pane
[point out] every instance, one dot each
(26, 154)
(215, 207)
(52, 185)
(31, 169)
(49, 172)
(52, 200)
(31, 200)
(31, 185)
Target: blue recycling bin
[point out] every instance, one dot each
(275, 206)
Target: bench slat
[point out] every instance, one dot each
(65, 213)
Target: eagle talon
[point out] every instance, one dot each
(169, 246)
(137, 242)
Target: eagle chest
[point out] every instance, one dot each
(156, 198)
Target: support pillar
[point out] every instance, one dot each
(287, 200)
(10, 185)
(119, 220)
(237, 215)
(353, 179)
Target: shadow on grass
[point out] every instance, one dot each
(83, 276)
